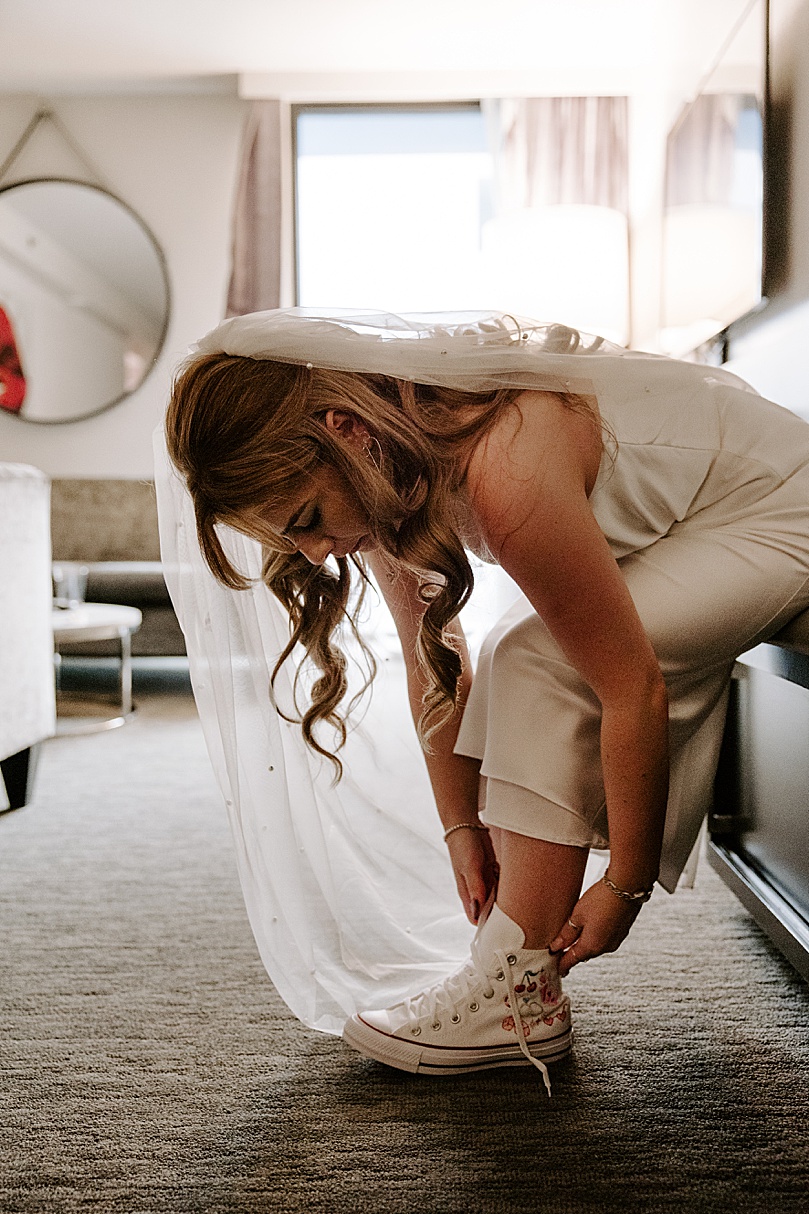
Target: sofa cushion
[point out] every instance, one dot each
(104, 520)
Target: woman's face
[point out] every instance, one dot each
(323, 519)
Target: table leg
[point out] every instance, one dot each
(125, 673)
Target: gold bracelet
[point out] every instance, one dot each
(642, 895)
(464, 826)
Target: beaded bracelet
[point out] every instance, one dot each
(642, 895)
(464, 826)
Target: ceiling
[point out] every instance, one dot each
(299, 48)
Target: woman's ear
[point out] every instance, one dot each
(348, 427)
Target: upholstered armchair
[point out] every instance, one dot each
(27, 701)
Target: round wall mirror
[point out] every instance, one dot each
(84, 300)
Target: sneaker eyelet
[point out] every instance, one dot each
(473, 1007)
(488, 994)
(455, 1018)
(511, 959)
(500, 977)
(416, 1032)
(436, 1025)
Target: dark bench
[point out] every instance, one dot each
(759, 827)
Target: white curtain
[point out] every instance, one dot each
(561, 150)
(557, 245)
(699, 166)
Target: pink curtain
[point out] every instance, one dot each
(552, 150)
(255, 281)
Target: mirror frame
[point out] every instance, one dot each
(163, 264)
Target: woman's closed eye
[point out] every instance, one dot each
(309, 522)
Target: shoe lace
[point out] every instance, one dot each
(445, 996)
(515, 1012)
(458, 987)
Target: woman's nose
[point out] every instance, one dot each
(314, 549)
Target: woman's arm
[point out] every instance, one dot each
(454, 778)
(528, 485)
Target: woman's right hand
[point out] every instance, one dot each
(475, 867)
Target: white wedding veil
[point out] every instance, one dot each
(348, 886)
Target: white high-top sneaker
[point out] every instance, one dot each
(504, 1007)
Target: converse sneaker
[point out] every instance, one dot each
(504, 1007)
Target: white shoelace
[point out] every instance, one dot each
(445, 996)
(512, 998)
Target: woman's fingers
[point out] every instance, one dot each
(575, 955)
(597, 924)
(475, 868)
(472, 893)
(478, 888)
(566, 937)
(569, 943)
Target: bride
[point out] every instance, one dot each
(655, 516)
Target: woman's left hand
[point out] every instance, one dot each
(598, 923)
(475, 866)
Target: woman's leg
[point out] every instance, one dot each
(505, 1005)
(539, 883)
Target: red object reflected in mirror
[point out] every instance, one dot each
(12, 377)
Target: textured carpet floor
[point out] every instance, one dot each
(148, 1065)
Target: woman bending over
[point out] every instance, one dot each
(655, 517)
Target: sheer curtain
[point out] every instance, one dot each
(699, 166)
(559, 150)
(557, 246)
(712, 220)
(255, 281)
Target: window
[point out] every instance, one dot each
(390, 205)
(501, 205)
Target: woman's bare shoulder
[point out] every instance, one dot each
(540, 428)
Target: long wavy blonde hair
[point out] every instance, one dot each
(247, 432)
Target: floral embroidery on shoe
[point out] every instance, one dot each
(510, 1026)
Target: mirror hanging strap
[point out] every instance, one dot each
(49, 116)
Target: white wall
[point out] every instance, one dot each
(173, 160)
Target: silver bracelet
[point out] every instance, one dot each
(642, 895)
(464, 826)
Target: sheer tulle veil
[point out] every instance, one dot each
(348, 887)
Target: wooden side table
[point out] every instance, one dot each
(81, 622)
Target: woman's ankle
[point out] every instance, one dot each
(536, 931)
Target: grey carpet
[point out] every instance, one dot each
(148, 1065)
